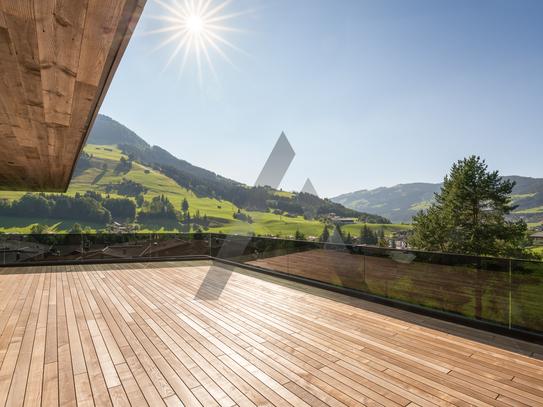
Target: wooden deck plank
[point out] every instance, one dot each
(83, 390)
(133, 392)
(96, 377)
(149, 391)
(133, 334)
(20, 375)
(50, 385)
(33, 391)
(51, 347)
(65, 374)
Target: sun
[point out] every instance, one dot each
(193, 24)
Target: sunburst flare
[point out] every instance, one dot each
(193, 23)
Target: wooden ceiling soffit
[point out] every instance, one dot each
(57, 60)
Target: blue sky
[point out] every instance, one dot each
(369, 93)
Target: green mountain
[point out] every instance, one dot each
(400, 202)
(207, 183)
(125, 178)
(107, 131)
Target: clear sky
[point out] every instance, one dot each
(369, 93)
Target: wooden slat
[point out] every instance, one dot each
(35, 378)
(20, 8)
(97, 39)
(59, 31)
(2, 19)
(65, 374)
(83, 390)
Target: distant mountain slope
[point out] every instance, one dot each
(397, 203)
(156, 154)
(107, 131)
(400, 202)
(526, 185)
(207, 183)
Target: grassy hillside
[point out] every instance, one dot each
(219, 212)
(107, 131)
(95, 179)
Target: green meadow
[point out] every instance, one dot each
(219, 213)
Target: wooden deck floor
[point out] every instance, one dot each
(133, 334)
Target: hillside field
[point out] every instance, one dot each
(220, 213)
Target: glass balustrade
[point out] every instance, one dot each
(508, 292)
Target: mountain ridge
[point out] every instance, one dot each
(207, 183)
(108, 131)
(400, 202)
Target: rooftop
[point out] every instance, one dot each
(149, 334)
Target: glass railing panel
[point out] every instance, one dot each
(502, 291)
(157, 245)
(527, 295)
(335, 263)
(236, 248)
(389, 273)
(179, 244)
(84, 247)
(280, 254)
(491, 290)
(22, 248)
(463, 285)
(332, 263)
(269, 253)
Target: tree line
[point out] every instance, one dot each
(92, 208)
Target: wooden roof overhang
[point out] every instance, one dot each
(57, 59)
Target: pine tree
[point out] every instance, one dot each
(367, 236)
(469, 215)
(185, 205)
(325, 234)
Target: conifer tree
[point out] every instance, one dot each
(469, 215)
(185, 205)
(325, 234)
